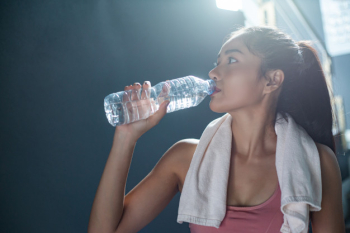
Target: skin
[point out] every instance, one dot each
(251, 102)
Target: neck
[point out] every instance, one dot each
(253, 135)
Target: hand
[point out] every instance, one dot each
(146, 108)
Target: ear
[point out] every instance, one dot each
(274, 80)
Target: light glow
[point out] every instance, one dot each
(232, 5)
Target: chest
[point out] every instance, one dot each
(249, 184)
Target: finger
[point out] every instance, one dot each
(145, 105)
(165, 91)
(135, 91)
(127, 94)
(127, 100)
(145, 90)
(166, 88)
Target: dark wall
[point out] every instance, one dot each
(59, 59)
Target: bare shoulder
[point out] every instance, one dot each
(329, 163)
(189, 141)
(181, 151)
(330, 217)
(185, 150)
(177, 159)
(330, 170)
(324, 149)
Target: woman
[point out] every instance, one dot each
(260, 71)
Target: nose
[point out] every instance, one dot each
(213, 75)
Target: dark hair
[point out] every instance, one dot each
(305, 94)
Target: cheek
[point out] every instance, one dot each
(243, 84)
(240, 90)
(239, 93)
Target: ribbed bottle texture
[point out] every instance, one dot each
(128, 106)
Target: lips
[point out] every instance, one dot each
(216, 90)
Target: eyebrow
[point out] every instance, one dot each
(231, 51)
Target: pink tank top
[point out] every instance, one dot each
(265, 218)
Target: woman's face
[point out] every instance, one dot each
(236, 74)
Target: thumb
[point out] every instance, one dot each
(159, 114)
(163, 107)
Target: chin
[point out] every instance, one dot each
(216, 109)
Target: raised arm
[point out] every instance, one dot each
(108, 206)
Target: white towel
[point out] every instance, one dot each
(203, 197)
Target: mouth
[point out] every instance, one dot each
(215, 91)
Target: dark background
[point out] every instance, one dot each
(59, 59)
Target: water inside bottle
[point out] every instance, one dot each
(130, 111)
(183, 93)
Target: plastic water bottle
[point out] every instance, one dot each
(184, 92)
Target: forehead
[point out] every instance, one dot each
(238, 43)
(234, 43)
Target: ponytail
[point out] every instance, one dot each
(310, 105)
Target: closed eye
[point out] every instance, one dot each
(230, 58)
